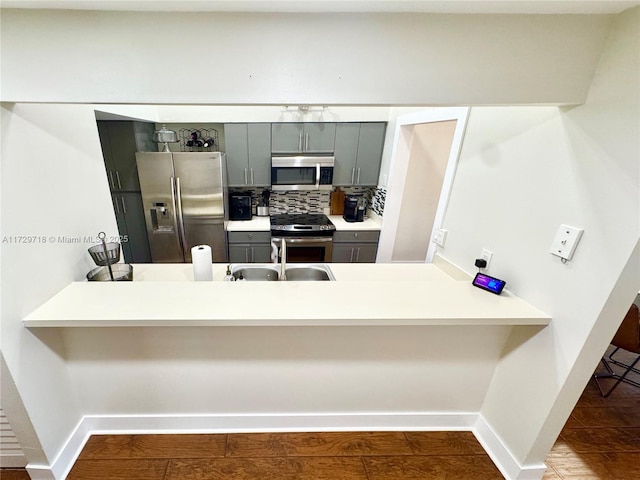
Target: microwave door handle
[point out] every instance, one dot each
(317, 176)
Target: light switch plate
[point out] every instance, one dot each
(439, 236)
(566, 241)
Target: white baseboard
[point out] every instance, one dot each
(244, 423)
(508, 465)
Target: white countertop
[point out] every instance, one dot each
(341, 224)
(262, 224)
(363, 294)
(256, 224)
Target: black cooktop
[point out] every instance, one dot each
(301, 224)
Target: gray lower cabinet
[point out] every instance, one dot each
(249, 247)
(355, 246)
(358, 153)
(248, 151)
(134, 242)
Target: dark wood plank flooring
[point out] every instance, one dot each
(600, 441)
(284, 456)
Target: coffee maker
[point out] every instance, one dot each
(353, 208)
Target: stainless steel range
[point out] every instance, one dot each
(308, 236)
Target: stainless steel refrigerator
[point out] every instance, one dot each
(184, 197)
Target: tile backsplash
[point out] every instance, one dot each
(312, 201)
(377, 202)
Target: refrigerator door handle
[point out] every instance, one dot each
(174, 203)
(183, 238)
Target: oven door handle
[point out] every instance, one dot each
(317, 176)
(303, 240)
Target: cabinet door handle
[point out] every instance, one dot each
(357, 255)
(246, 255)
(306, 142)
(113, 185)
(252, 177)
(245, 177)
(124, 206)
(118, 178)
(358, 180)
(300, 142)
(353, 175)
(116, 207)
(355, 235)
(253, 255)
(351, 257)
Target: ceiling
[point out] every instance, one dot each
(317, 6)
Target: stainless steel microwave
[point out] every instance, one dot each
(302, 172)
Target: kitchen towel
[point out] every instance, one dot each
(202, 263)
(274, 251)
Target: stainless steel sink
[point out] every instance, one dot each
(256, 273)
(293, 272)
(305, 272)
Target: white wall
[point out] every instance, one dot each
(522, 172)
(282, 370)
(284, 59)
(53, 185)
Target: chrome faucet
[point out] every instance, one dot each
(283, 259)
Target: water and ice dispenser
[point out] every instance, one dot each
(161, 218)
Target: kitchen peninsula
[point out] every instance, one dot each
(362, 295)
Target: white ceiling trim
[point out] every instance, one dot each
(339, 6)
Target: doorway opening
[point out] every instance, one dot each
(425, 154)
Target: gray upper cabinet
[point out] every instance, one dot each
(303, 137)
(358, 153)
(248, 151)
(120, 140)
(344, 170)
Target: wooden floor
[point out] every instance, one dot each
(600, 441)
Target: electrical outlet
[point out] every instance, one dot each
(439, 236)
(566, 241)
(486, 255)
